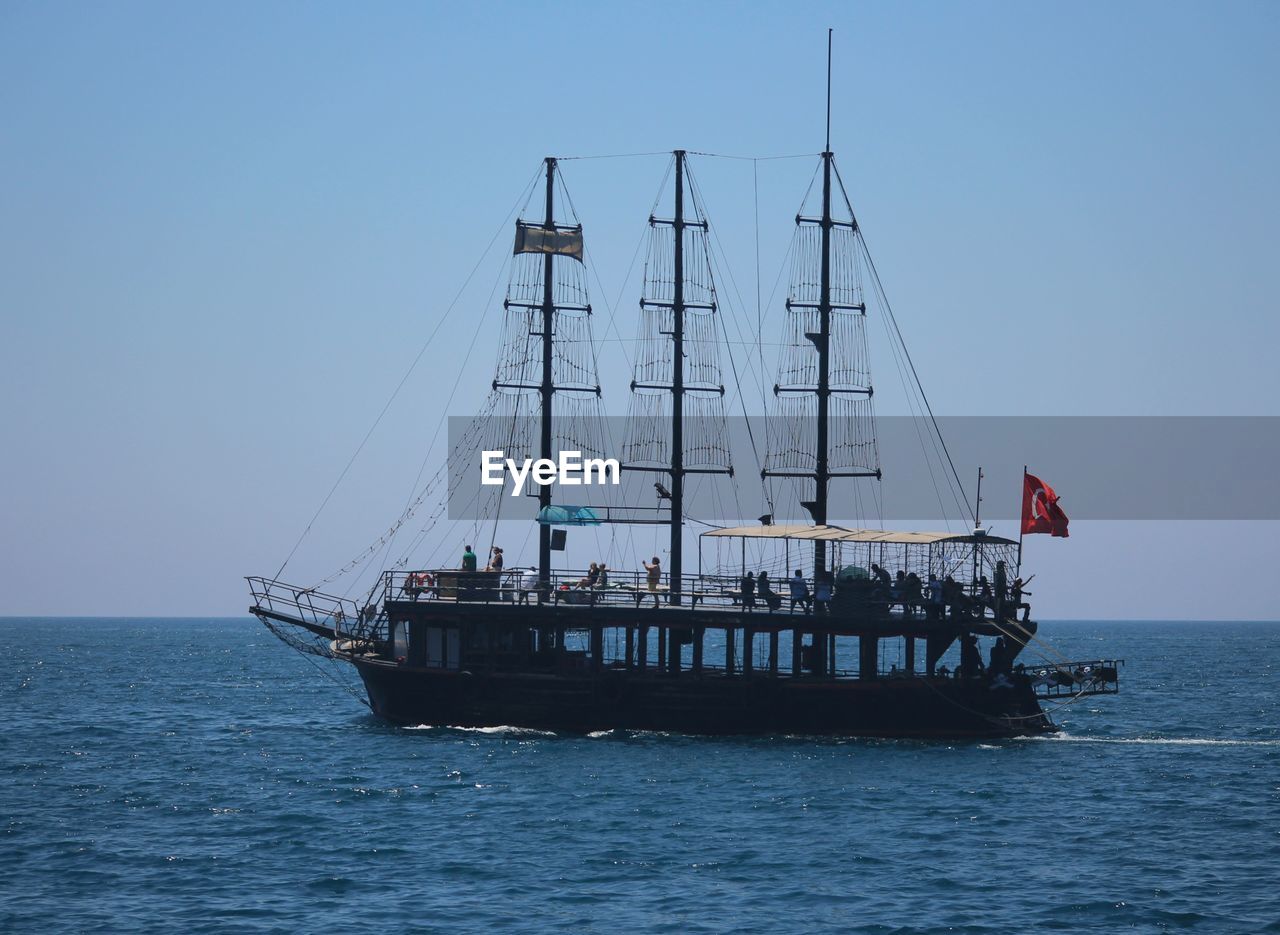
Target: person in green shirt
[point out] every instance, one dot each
(468, 560)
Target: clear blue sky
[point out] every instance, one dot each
(225, 230)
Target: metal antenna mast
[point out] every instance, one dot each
(829, 31)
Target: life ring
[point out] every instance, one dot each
(418, 581)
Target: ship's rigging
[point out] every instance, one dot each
(677, 403)
(510, 418)
(546, 394)
(435, 643)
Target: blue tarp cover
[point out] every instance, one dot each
(568, 516)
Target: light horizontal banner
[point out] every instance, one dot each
(1102, 467)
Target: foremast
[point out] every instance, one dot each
(544, 299)
(547, 390)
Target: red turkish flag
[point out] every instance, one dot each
(1040, 510)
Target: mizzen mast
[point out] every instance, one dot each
(677, 387)
(822, 321)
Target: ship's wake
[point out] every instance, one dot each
(1153, 741)
(505, 730)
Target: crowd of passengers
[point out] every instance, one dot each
(934, 599)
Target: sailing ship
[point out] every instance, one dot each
(706, 653)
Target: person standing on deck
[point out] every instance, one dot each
(999, 657)
(1001, 590)
(953, 596)
(799, 592)
(528, 584)
(1018, 591)
(593, 575)
(748, 588)
(933, 611)
(822, 593)
(466, 580)
(767, 594)
(970, 657)
(653, 575)
(985, 597)
(913, 595)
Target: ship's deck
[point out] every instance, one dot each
(475, 630)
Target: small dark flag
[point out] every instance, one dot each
(1040, 510)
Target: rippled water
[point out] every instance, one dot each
(197, 775)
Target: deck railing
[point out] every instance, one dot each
(1072, 679)
(572, 587)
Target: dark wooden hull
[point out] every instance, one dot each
(715, 704)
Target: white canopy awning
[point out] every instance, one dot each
(842, 534)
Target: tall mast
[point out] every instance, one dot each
(822, 474)
(684, 288)
(821, 387)
(677, 389)
(835, 303)
(548, 385)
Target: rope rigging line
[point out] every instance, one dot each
(693, 152)
(465, 442)
(654, 364)
(720, 258)
(742, 401)
(412, 366)
(755, 208)
(1004, 717)
(916, 419)
(454, 391)
(411, 505)
(879, 287)
(666, 152)
(512, 358)
(310, 650)
(659, 152)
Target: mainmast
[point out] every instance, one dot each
(679, 297)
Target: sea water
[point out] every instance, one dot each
(198, 775)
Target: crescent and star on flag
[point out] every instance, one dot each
(1040, 510)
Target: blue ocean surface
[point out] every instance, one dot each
(199, 776)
